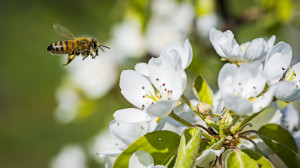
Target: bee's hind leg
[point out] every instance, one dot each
(69, 60)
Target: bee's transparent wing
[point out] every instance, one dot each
(62, 31)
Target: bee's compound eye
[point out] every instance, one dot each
(94, 45)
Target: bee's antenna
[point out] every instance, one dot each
(100, 46)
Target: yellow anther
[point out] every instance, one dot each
(290, 76)
(158, 119)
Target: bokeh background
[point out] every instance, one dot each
(57, 117)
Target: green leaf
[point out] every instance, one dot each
(281, 142)
(162, 145)
(246, 158)
(188, 148)
(202, 90)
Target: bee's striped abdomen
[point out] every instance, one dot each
(61, 47)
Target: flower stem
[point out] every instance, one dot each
(171, 159)
(234, 120)
(235, 128)
(223, 122)
(179, 119)
(186, 123)
(206, 119)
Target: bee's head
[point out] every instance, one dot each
(94, 44)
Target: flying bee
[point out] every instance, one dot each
(74, 46)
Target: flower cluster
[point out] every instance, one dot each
(249, 84)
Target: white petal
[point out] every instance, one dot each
(271, 42)
(142, 68)
(141, 159)
(188, 54)
(134, 87)
(131, 116)
(124, 134)
(159, 166)
(237, 104)
(207, 156)
(291, 117)
(178, 48)
(218, 103)
(227, 71)
(109, 152)
(166, 75)
(296, 135)
(277, 62)
(296, 69)
(257, 50)
(214, 36)
(287, 91)
(263, 101)
(229, 46)
(250, 79)
(161, 108)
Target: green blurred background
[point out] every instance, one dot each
(29, 75)
(29, 135)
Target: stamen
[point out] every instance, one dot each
(290, 76)
(283, 68)
(143, 87)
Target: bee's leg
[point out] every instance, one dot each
(70, 58)
(85, 54)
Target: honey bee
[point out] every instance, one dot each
(74, 46)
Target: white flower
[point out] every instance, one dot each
(208, 156)
(227, 47)
(123, 47)
(205, 23)
(95, 77)
(241, 88)
(70, 156)
(166, 75)
(67, 103)
(142, 159)
(276, 64)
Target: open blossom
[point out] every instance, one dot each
(227, 47)
(276, 65)
(165, 73)
(154, 89)
(241, 88)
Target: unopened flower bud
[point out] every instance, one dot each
(204, 108)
